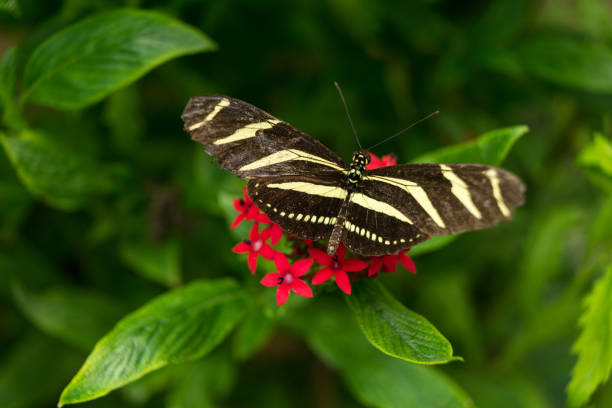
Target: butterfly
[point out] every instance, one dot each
(309, 191)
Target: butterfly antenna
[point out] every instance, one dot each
(348, 114)
(403, 130)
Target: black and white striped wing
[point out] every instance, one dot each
(252, 143)
(304, 206)
(404, 204)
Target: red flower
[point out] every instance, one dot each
(287, 278)
(247, 210)
(337, 266)
(376, 162)
(255, 245)
(274, 230)
(389, 263)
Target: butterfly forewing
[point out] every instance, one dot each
(252, 143)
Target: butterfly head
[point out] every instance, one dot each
(357, 167)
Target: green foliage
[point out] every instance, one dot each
(490, 148)
(76, 316)
(596, 161)
(396, 330)
(374, 378)
(106, 205)
(61, 177)
(570, 62)
(84, 63)
(594, 346)
(158, 262)
(179, 326)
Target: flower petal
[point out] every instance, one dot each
(237, 221)
(252, 212)
(252, 261)
(267, 252)
(341, 251)
(322, 276)
(343, 282)
(254, 233)
(281, 263)
(241, 248)
(238, 205)
(301, 288)
(282, 293)
(301, 267)
(408, 263)
(354, 265)
(270, 279)
(390, 262)
(276, 232)
(320, 257)
(375, 264)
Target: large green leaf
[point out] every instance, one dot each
(59, 176)
(181, 325)
(490, 148)
(567, 61)
(594, 345)
(374, 378)
(596, 160)
(85, 62)
(76, 316)
(33, 371)
(252, 334)
(158, 262)
(394, 329)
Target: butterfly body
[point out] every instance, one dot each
(310, 192)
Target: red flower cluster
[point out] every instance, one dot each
(290, 277)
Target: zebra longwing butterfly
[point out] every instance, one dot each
(312, 193)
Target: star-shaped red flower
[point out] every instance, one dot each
(275, 231)
(336, 266)
(389, 263)
(377, 162)
(247, 210)
(255, 245)
(288, 278)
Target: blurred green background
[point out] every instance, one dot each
(130, 207)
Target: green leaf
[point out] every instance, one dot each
(596, 160)
(60, 177)
(252, 334)
(594, 345)
(432, 244)
(490, 148)
(78, 317)
(8, 76)
(181, 325)
(10, 6)
(202, 382)
(569, 62)
(84, 63)
(394, 329)
(158, 262)
(374, 378)
(33, 371)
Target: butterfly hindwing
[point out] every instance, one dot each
(304, 206)
(445, 199)
(252, 143)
